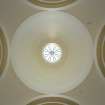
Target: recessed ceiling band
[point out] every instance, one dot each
(100, 51)
(52, 3)
(3, 51)
(53, 100)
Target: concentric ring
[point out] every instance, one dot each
(53, 100)
(52, 3)
(100, 51)
(3, 51)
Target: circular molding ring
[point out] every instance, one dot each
(100, 50)
(3, 51)
(52, 100)
(52, 3)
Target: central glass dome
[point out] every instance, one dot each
(52, 53)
